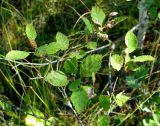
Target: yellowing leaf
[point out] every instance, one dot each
(117, 61)
(121, 99)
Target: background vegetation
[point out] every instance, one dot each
(79, 62)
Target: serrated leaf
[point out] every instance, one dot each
(79, 100)
(91, 45)
(98, 16)
(88, 24)
(17, 55)
(57, 78)
(131, 41)
(104, 102)
(117, 61)
(52, 48)
(143, 58)
(103, 120)
(91, 64)
(31, 32)
(62, 41)
(41, 51)
(121, 99)
(74, 86)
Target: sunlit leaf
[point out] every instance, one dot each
(127, 58)
(31, 32)
(91, 45)
(91, 64)
(80, 100)
(117, 61)
(33, 121)
(62, 41)
(88, 24)
(98, 16)
(131, 41)
(52, 48)
(57, 78)
(143, 58)
(17, 55)
(121, 99)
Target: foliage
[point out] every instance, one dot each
(84, 65)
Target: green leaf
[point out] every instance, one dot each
(131, 41)
(103, 120)
(71, 65)
(127, 58)
(89, 90)
(62, 41)
(41, 51)
(80, 100)
(91, 64)
(131, 81)
(121, 99)
(88, 24)
(31, 32)
(17, 55)
(153, 12)
(104, 102)
(118, 20)
(141, 73)
(98, 16)
(57, 78)
(91, 45)
(78, 54)
(131, 66)
(143, 58)
(52, 48)
(117, 61)
(74, 86)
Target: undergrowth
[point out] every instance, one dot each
(70, 63)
